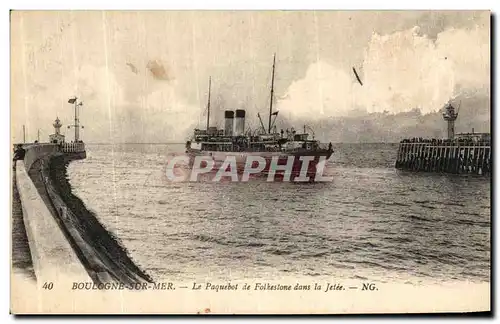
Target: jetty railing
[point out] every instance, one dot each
(447, 156)
(33, 152)
(72, 147)
(30, 152)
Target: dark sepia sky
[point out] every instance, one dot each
(143, 76)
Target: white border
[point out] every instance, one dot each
(256, 4)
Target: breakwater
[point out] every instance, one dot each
(447, 156)
(55, 219)
(51, 252)
(103, 255)
(20, 251)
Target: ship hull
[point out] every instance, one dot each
(300, 165)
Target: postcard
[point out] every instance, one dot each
(250, 162)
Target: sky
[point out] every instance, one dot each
(143, 75)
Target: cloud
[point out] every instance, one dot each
(119, 106)
(400, 72)
(165, 116)
(156, 89)
(469, 53)
(325, 91)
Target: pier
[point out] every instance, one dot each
(436, 155)
(48, 237)
(64, 237)
(465, 153)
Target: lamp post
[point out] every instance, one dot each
(76, 125)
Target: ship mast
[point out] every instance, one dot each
(272, 93)
(261, 123)
(208, 104)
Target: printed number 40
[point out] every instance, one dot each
(48, 285)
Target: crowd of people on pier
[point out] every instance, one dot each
(444, 156)
(438, 141)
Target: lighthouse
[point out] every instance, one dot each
(57, 137)
(450, 115)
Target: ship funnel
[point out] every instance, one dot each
(228, 126)
(239, 125)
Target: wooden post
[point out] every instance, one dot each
(488, 160)
(427, 159)
(410, 148)
(471, 159)
(420, 151)
(448, 163)
(412, 156)
(467, 158)
(458, 158)
(405, 159)
(407, 155)
(401, 153)
(396, 164)
(431, 152)
(470, 167)
(483, 157)
(401, 159)
(475, 159)
(397, 156)
(447, 157)
(436, 157)
(479, 157)
(463, 158)
(433, 164)
(424, 157)
(434, 160)
(440, 157)
(452, 158)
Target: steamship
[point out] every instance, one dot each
(234, 140)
